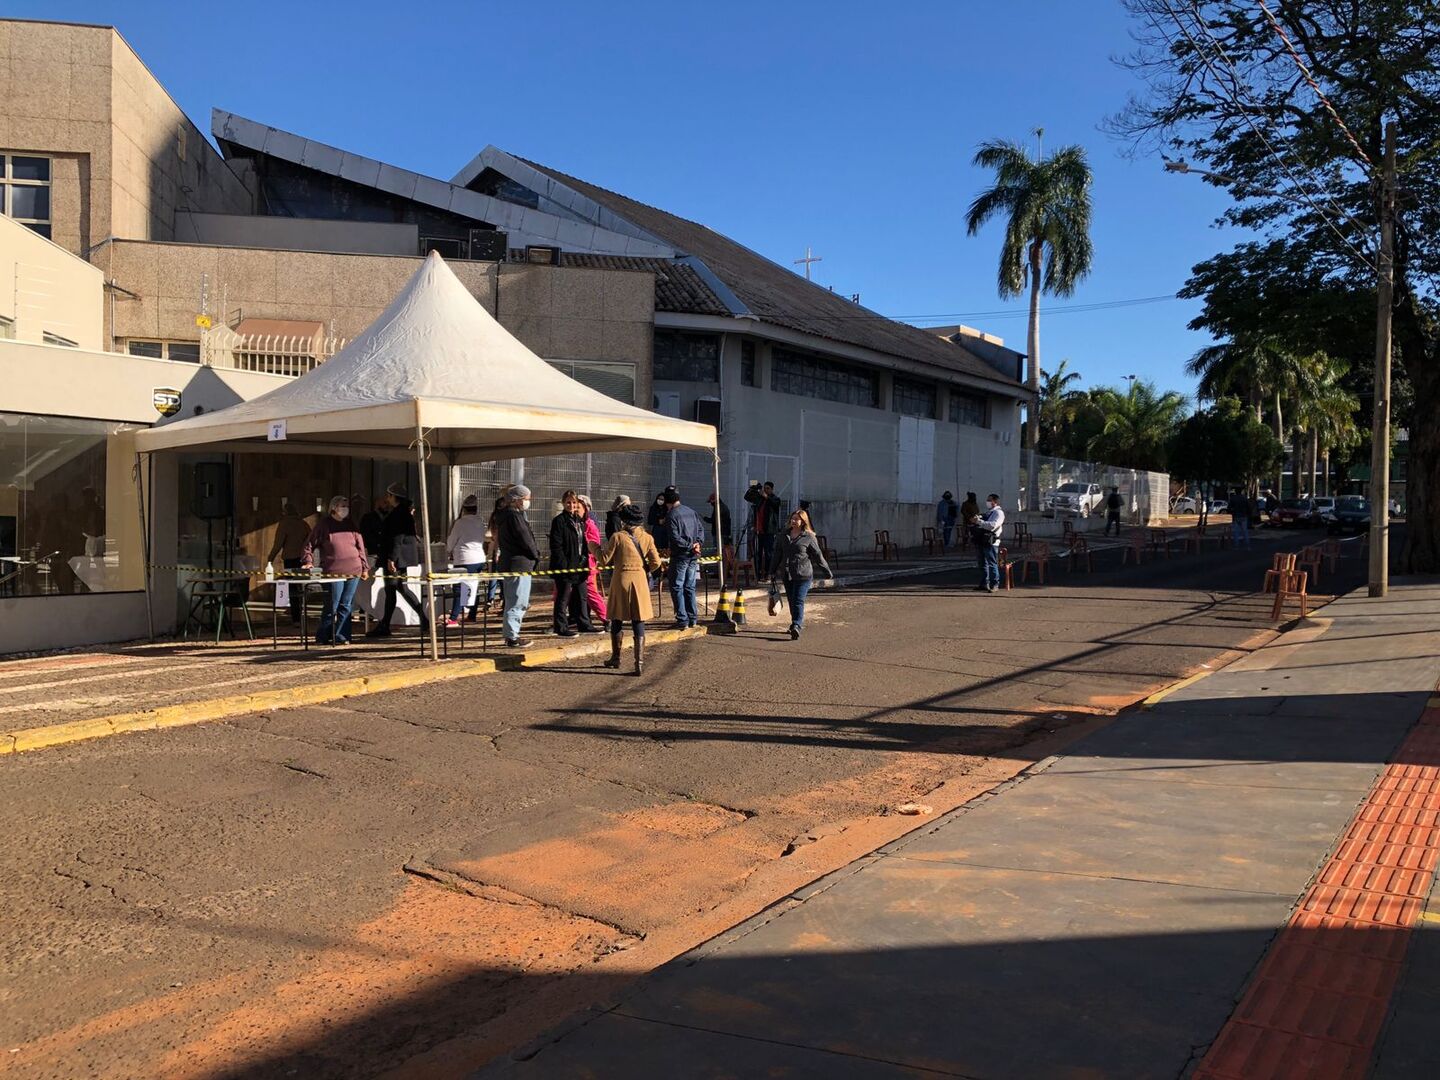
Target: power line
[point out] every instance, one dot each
(1062, 309)
(1245, 114)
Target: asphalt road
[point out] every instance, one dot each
(409, 883)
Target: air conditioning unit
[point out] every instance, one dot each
(542, 254)
(707, 411)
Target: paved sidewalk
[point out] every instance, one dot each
(1229, 883)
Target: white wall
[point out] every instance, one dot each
(45, 288)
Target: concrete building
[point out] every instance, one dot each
(142, 268)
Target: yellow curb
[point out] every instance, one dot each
(1160, 695)
(199, 712)
(1430, 917)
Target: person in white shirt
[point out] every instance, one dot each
(466, 544)
(988, 528)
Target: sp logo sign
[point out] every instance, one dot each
(166, 400)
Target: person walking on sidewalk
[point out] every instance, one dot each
(399, 550)
(341, 548)
(797, 556)
(767, 523)
(569, 553)
(1113, 505)
(988, 528)
(633, 557)
(519, 554)
(593, 597)
(1240, 520)
(945, 514)
(687, 536)
(291, 535)
(466, 545)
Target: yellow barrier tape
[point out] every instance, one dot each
(441, 575)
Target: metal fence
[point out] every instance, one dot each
(1146, 494)
(274, 354)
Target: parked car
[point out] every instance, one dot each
(1325, 504)
(1351, 513)
(1218, 506)
(1075, 498)
(1299, 513)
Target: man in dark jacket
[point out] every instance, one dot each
(569, 552)
(767, 523)
(399, 550)
(518, 554)
(722, 534)
(686, 536)
(1114, 504)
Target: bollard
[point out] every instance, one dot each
(722, 611)
(737, 613)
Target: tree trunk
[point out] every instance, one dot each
(1032, 430)
(1314, 461)
(1326, 456)
(1280, 434)
(1421, 553)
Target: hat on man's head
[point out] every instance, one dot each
(631, 515)
(471, 502)
(397, 489)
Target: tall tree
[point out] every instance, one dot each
(1139, 425)
(1045, 203)
(1224, 84)
(1058, 404)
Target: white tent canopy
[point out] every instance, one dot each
(438, 361)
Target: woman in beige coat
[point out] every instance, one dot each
(632, 555)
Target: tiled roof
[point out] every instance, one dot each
(777, 295)
(677, 287)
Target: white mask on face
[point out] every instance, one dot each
(342, 512)
(524, 504)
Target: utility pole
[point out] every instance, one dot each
(1380, 433)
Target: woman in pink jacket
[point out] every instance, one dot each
(593, 543)
(342, 554)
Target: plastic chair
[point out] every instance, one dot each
(884, 547)
(1136, 547)
(830, 554)
(930, 541)
(1038, 558)
(1291, 585)
(1007, 569)
(1080, 549)
(1309, 561)
(1281, 563)
(735, 567)
(1021, 537)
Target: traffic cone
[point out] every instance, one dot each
(722, 611)
(737, 614)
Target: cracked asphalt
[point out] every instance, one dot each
(408, 883)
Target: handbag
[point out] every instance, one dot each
(776, 595)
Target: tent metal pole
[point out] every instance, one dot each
(144, 544)
(719, 523)
(425, 533)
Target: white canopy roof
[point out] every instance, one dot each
(434, 359)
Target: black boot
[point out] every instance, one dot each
(616, 638)
(639, 655)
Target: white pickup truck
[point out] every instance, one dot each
(1078, 499)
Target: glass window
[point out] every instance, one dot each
(747, 363)
(818, 377)
(62, 513)
(913, 398)
(153, 349)
(687, 357)
(967, 409)
(25, 191)
(186, 351)
(613, 380)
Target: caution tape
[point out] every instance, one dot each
(442, 575)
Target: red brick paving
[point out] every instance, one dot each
(1319, 999)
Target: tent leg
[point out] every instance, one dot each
(144, 544)
(719, 525)
(425, 534)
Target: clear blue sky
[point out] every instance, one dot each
(841, 125)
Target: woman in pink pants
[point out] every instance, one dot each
(593, 541)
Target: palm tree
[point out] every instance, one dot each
(1057, 405)
(1325, 414)
(1046, 205)
(1139, 424)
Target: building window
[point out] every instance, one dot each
(967, 409)
(25, 191)
(687, 357)
(913, 398)
(57, 499)
(817, 377)
(613, 380)
(51, 338)
(7, 328)
(747, 363)
(186, 351)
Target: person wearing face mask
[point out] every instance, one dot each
(988, 527)
(341, 549)
(518, 554)
(399, 550)
(569, 552)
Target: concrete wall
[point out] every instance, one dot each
(44, 287)
(306, 234)
(126, 161)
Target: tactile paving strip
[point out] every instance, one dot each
(1319, 999)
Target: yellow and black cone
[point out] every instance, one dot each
(722, 611)
(737, 613)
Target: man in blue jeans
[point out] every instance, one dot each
(686, 534)
(1240, 520)
(989, 526)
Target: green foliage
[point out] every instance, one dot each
(1226, 443)
(1138, 425)
(1058, 406)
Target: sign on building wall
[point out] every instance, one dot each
(166, 400)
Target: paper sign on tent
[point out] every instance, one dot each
(277, 431)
